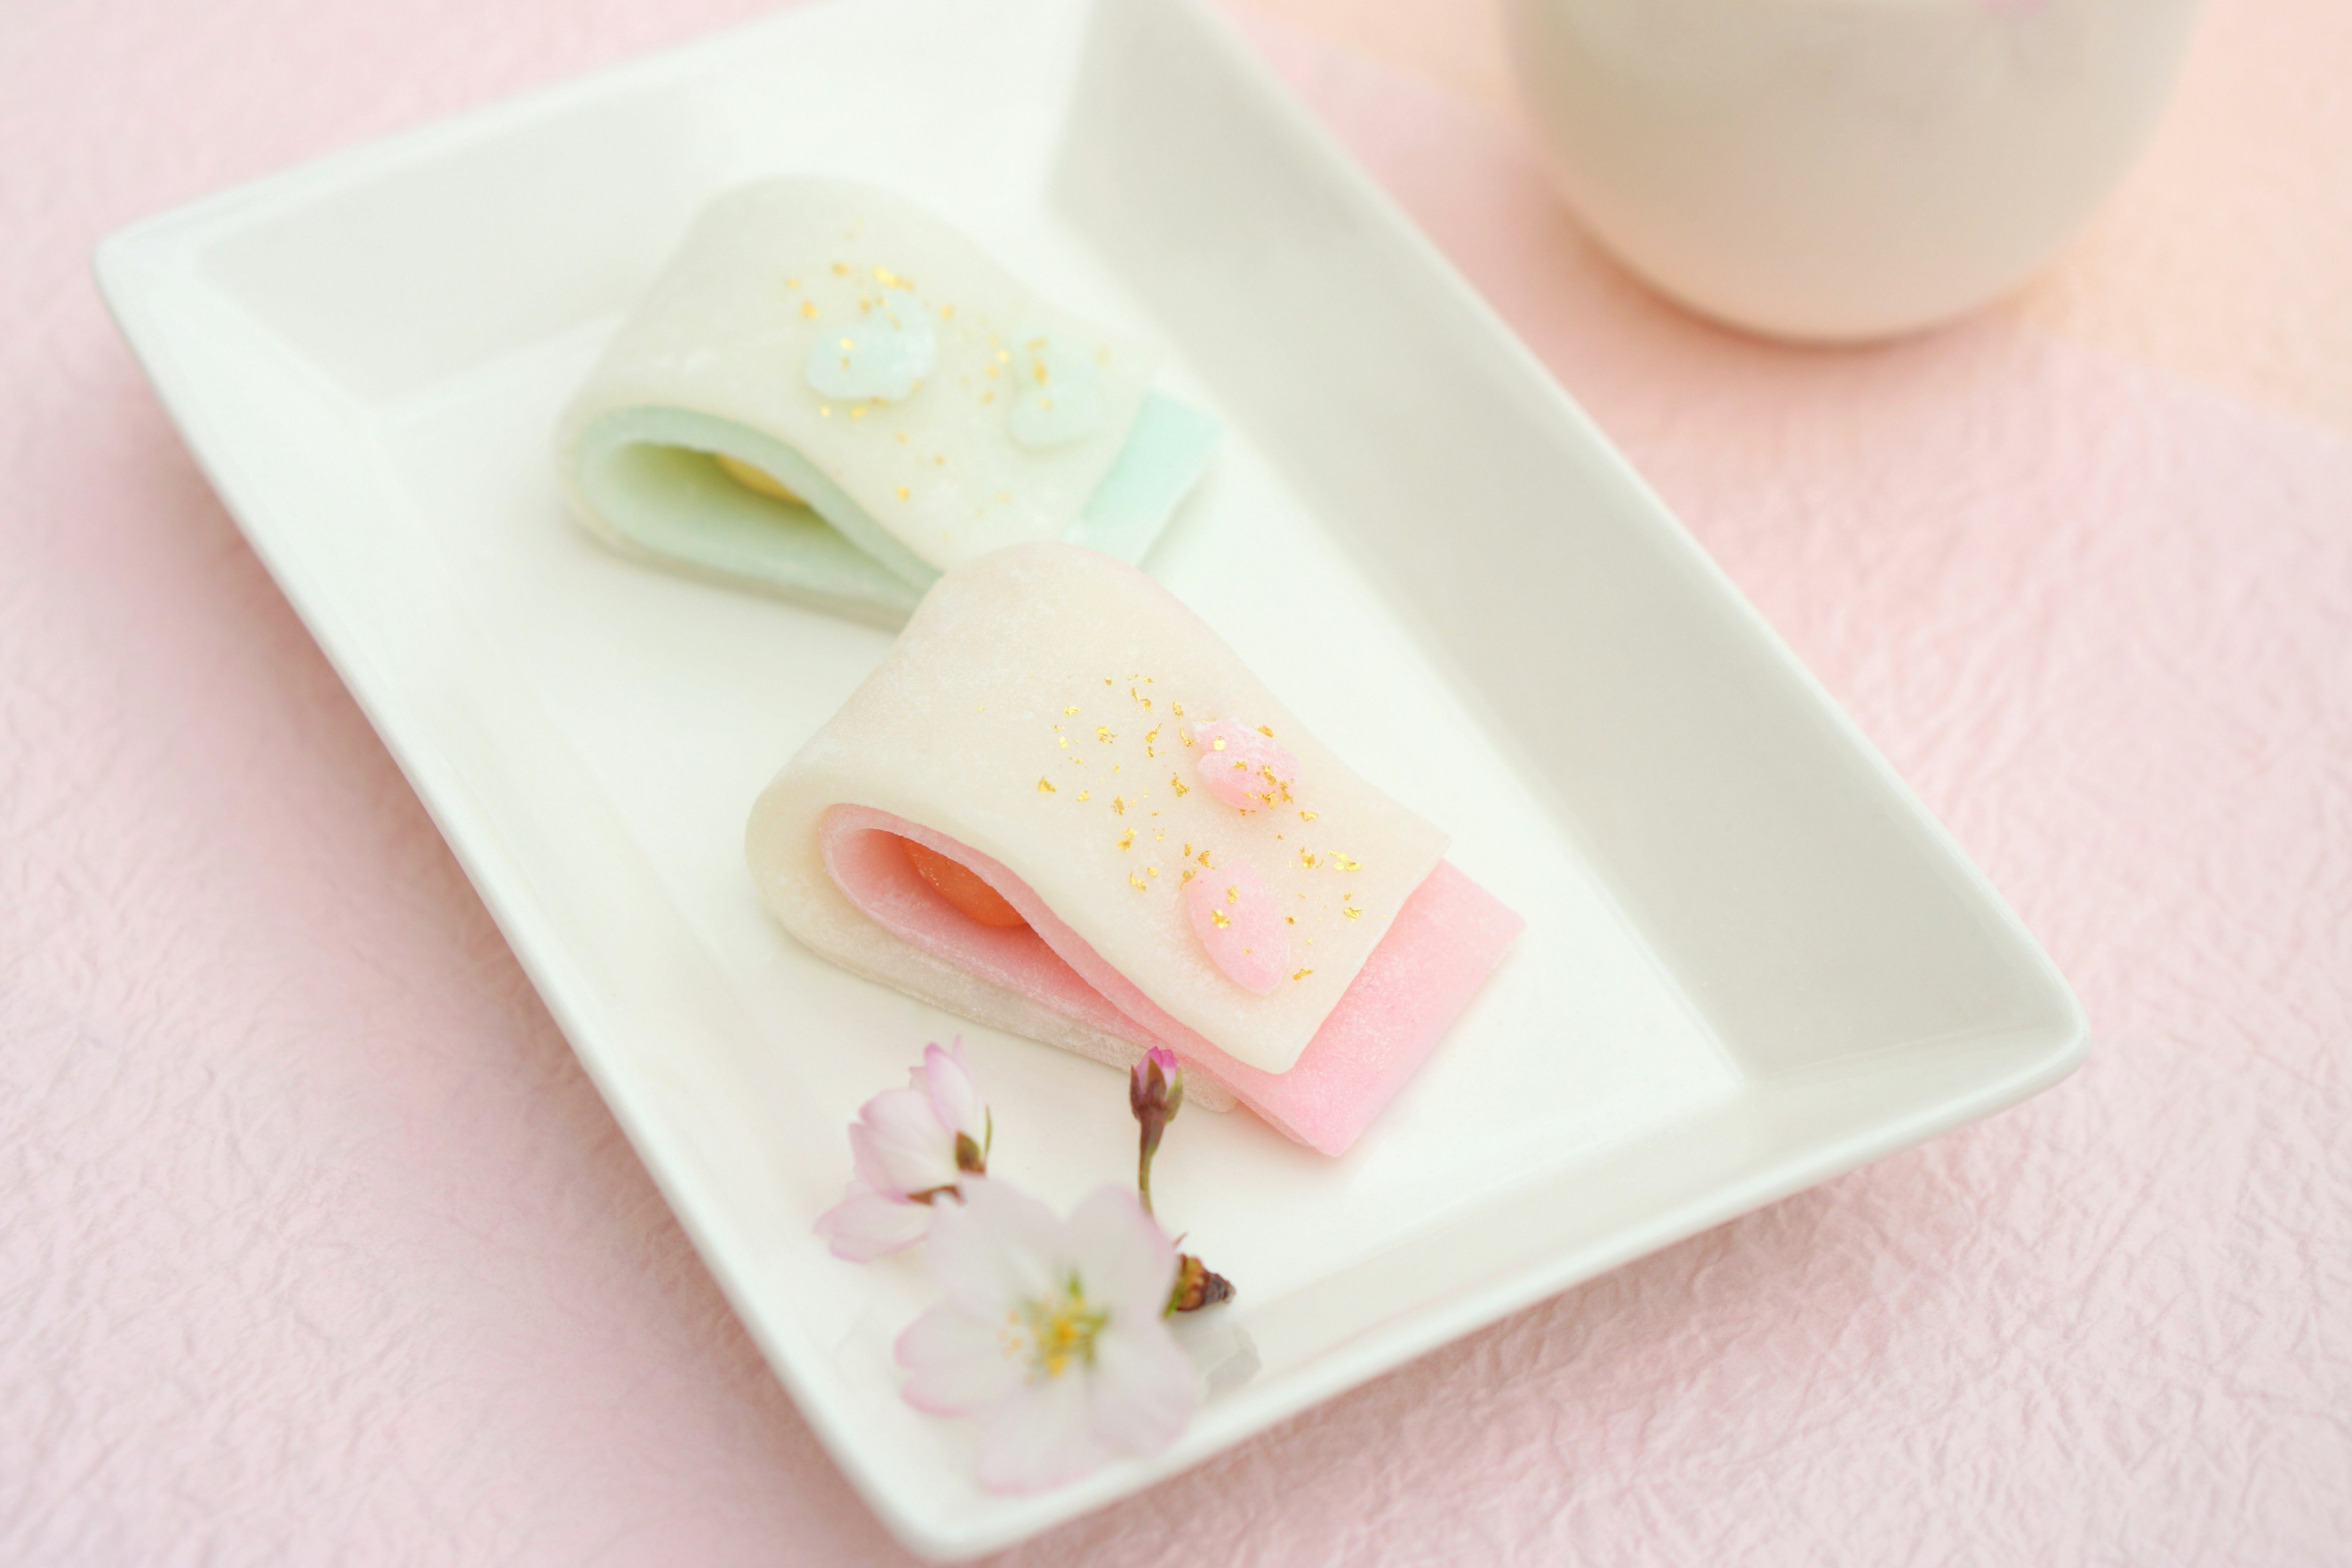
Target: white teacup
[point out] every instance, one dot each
(1842, 169)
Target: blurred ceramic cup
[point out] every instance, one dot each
(1842, 169)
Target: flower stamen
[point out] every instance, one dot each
(1062, 1329)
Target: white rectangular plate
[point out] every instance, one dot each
(1751, 961)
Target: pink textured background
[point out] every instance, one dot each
(315, 1244)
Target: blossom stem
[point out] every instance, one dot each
(1155, 1093)
(1147, 1146)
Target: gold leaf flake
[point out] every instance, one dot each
(1084, 792)
(1302, 974)
(1218, 916)
(1126, 839)
(1352, 912)
(1139, 883)
(1044, 786)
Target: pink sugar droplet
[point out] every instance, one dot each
(1242, 767)
(1239, 924)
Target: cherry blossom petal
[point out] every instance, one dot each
(1124, 1259)
(866, 1223)
(955, 1098)
(1141, 1389)
(867, 1168)
(1039, 1437)
(1243, 767)
(915, 1152)
(960, 1365)
(996, 1249)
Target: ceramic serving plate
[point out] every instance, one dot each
(1752, 961)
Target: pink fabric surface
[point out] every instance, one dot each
(1442, 946)
(318, 1247)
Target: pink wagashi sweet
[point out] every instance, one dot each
(1011, 818)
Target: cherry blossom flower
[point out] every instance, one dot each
(909, 1147)
(1052, 1334)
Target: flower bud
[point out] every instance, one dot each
(1156, 1087)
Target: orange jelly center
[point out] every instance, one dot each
(963, 888)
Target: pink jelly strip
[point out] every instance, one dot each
(1438, 951)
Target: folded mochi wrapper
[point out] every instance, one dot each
(831, 393)
(1041, 735)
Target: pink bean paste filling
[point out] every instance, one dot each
(1436, 954)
